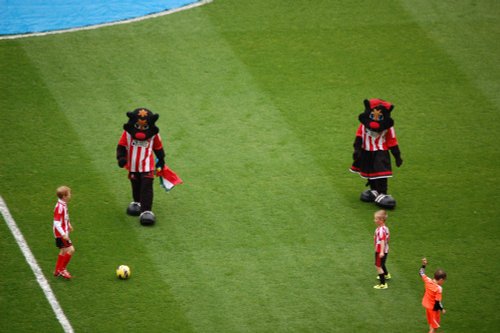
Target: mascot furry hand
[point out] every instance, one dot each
(138, 148)
(374, 138)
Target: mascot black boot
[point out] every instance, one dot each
(138, 148)
(371, 160)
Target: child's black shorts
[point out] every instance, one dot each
(62, 243)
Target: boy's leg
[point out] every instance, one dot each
(60, 257)
(378, 264)
(381, 277)
(66, 259)
(433, 318)
(59, 264)
(380, 272)
(384, 259)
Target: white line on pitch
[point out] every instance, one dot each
(30, 258)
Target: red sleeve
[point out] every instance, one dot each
(123, 139)
(157, 144)
(391, 138)
(359, 132)
(58, 216)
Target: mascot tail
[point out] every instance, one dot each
(168, 178)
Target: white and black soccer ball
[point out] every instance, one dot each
(123, 272)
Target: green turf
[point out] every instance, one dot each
(258, 106)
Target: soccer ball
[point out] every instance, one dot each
(123, 272)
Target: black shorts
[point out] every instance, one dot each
(62, 243)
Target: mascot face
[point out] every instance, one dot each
(141, 124)
(377, 115)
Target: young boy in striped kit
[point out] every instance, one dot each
(61, 228)
(381, 240)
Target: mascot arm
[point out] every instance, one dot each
(160, 155)
(121, 155)
(358, 142)
(397, 155)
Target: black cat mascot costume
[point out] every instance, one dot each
(137, 147)
(374, 138)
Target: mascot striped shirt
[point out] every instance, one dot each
(373, 141)
(140, 153)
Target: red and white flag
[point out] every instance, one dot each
(168, 178)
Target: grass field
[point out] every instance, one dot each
(258, 104)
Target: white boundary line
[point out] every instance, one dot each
(92, 27)
(30, 258)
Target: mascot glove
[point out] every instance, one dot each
(399, 161)
(160, 164)
(122, 162)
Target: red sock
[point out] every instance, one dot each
(59, 263)
(66, 259)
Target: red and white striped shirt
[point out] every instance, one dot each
(140, 153)
(61, 219)
(381, 234)
(373, 141)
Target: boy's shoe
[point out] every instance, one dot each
(381, 286)
(387, 277)
(65, 274)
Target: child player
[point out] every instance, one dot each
(381, 239)
(62, 227)
(433, 296)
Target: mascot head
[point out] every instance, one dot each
(377, 115)
(141, 124)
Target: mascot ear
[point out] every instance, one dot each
(154, 117)
(130, 114)
(367, 105)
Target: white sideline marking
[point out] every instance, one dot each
(30, 258)
(96, 26)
